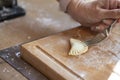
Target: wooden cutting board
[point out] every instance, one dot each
(50, 56)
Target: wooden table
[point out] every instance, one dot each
(43, 18)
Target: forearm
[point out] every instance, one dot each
(64, 4)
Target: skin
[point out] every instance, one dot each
(95, 14)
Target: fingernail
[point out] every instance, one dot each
(97, 28)
(107, 22)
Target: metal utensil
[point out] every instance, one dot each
(101, 36)
(12, 56)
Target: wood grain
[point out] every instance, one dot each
(50, 56)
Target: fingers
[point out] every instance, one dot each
(118, 4)
(113, 4)
(102, 26)
(108, 21)
(114, 13)
(111, 10)
(110, 4)
(99, 28)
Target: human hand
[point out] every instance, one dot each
(96, 14)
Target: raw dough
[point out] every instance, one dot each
(77, 47)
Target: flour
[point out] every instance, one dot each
(62, 41)
(17, 54)
(5, 70)
(24, 4)
(97, 59)
(48, 21)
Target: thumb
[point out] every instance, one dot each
(108, 22)
(102, 26)
(113, 13)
